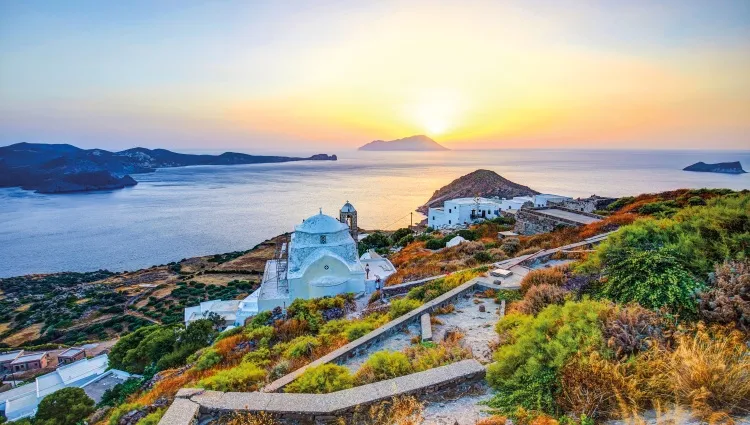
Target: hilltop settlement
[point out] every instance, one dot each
(505, 306)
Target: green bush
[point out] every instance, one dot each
(68, 406)
(152, 418)
(119, 411)
(402, 306)
(208, 359)
(483, 257)
(435, 244)
(321, 379)
(654, 279)
(509, 295)
(383, 365)
(358, 329)
(401, 233)
(244, 377)
(302, 346)
(526, 367)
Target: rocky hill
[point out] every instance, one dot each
(60, 168)
(484, 183)
(412, 143)
(721, 167)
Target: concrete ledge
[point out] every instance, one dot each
(181, 412)
(426, 327)
(307, 407)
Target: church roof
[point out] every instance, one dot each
(321, 223)
(347, 208)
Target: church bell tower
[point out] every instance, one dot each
(348, 216)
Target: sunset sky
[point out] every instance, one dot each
(298, 75)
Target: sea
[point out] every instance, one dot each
(185, 212)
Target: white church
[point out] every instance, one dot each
(320, 259)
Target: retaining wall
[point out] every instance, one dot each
(191, 403)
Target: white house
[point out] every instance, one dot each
(463, 211)
(542, 199)
(321, 259)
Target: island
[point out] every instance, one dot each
(412, 143)
(63, 168)
(721, 167)
(484, 183)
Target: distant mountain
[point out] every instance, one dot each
(722, 167)
(49, 168)
(484, 183)
(413, 143)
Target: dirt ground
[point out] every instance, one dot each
(254, 260)
(462, 408)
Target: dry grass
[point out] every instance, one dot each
(4, 327)
(261, 418)
(493, 420)
(450, 308)
(27, 334)
(396, 411)
(711, 373)
(555, 276)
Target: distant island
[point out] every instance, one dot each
(412, 143)
(63, 168)
(721, 167)
(484, 183)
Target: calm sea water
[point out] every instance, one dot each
(183, 212)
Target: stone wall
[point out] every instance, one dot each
(534, 221)
(195, 405)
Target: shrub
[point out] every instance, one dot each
(426, 355)
(375, 297)
(119, 411)
(325, 378)
(401, 233)
(728, 301)
(632, 329)
(152, 418)
(404, 410)
(302, 346)
(555, 276)
(483, 257)
(539, 297)
(383, 365)
(654, 279)
(510, 246)
(358, 329)
(598, 388)
(434, 244)
(402, 306)
(509, 295)
(526, 367)
(243, 377)
(208, 359)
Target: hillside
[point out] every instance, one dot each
(484, 183)
(412, 143)
(721, 167)
(61, 168)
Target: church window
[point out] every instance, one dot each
(326, 267)
(449, 222)
(322, 239)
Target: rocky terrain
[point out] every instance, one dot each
(484, 183)
(412, 143)
(61, 168)
(721, 167)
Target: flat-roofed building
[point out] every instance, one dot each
(72, 354)
(6, 359)
(30, 362)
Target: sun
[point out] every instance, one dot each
(436, 112)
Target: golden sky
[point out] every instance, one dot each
(473, 75)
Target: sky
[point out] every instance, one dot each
(289, 75)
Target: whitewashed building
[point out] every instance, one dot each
(321, 259)
(464, 211)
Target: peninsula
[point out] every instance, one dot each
(721, 167)
(484, 183)
(63, 168)
(412, 143)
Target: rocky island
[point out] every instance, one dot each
(412, 143)
(484, 183)
(63, 168)
(721, 167)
